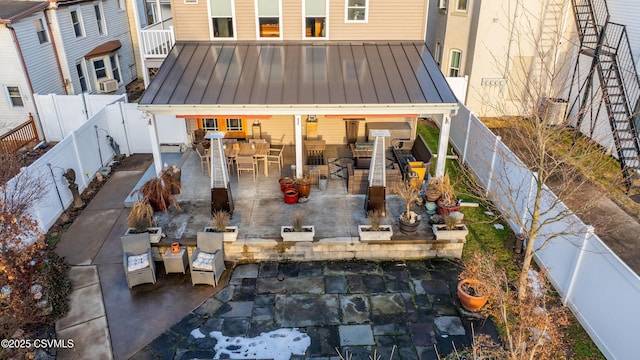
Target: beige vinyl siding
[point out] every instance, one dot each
(191, 21)
(245, 19)
(276, 126)
(387, 20)
(292, 19)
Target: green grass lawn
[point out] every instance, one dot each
(483, 236)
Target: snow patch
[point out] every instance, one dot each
(278, 345)
(534, 283)
(197, 334)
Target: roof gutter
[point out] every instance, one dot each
(14, 37)
(321, 109)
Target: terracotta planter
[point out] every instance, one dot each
(291, 196)
(469, 302)
(446, 210)
(286, 183)
(304, 189)
(175, 248)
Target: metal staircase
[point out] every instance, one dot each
(608, 46)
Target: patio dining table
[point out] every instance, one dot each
(259, 151)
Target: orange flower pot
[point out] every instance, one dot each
(175, 248)
(470, 302)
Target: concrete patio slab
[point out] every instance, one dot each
(85, 304)
(82, 276)
(90, 230)
(91, 341)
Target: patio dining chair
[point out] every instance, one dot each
(275, 156)
(245, 163)
(137, 260)
(207, 261)
(204, 158)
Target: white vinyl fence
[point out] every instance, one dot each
(599, 288)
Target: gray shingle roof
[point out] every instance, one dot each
(295, 73)
(12, 10)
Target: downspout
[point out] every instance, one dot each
(14, 37)
(54, 6)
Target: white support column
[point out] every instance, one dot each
(155, 142)
(298, 143)
(443, 142)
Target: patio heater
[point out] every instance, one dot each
(221, 198)
(375, 199)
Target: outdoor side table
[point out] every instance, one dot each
(175, 263)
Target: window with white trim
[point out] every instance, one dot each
(81, 76)
(15, 98)
(222, 18)
(210, 124)
(97, 7)
(41, 31)
(454, 63)
(356, 10)
(461, 5)
(234, 124)
(438, 54)
(107, 67)
(315, 19)
(269, 19)
(76, 20)
(115, 67)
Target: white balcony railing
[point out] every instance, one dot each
(157, 43)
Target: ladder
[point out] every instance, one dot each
(607, 43)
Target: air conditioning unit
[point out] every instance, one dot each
(107, 85)
(442, 4)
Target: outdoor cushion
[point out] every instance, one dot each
(137, 262)
(204, 261)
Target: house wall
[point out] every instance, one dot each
(386, 21)
(12, 75)
(74, 49)
(39, 58)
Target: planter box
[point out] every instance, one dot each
(297, 236)
(227, 235)
(384, 234)
(155, 234)
(441, 232)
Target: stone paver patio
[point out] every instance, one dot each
(356, 307)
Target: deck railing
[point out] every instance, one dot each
(157, 43)
(19, 136)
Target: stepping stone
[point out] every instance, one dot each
(236, 309)
(387, 304)
(245, 271)
(356, 335)
(306, 310)
(335, 284)
(355, 309)
(448, 325)
(433, 287)
(422, 334)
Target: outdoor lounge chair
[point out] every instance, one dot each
(207, 261)
(139, 267)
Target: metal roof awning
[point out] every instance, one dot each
(248, 78)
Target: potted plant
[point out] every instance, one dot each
(220, 225)
(173, 175)
(473, 292)
(158, 191)
(298, 231)
(304, 186)
(409, 220)
(432, 193)
(140, 220)
(286, 183)
(375, 231)
(452, 229)
(447, 202)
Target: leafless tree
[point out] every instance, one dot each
(536, 77)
